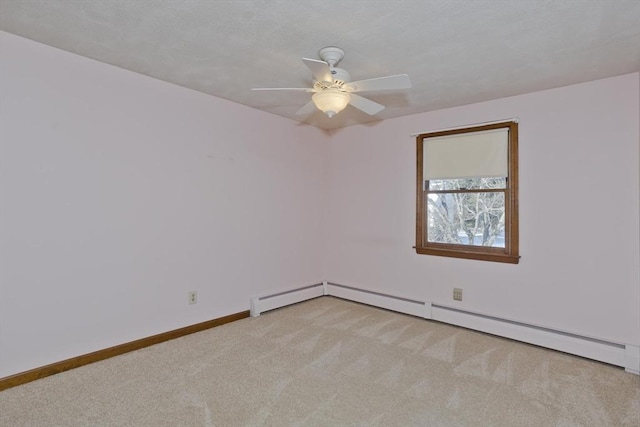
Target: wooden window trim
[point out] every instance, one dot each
(508, 254)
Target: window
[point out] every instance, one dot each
(467, 193)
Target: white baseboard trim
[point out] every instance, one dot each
(618, 354)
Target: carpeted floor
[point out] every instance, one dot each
(330, 362)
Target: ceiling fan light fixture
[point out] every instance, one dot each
(331, 101)
(333, 89)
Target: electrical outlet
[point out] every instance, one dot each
(193, 297)
(457, 294)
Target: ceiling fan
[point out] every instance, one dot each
(333, 89)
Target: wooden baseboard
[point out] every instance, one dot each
(85, 359)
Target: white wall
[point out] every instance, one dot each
(121, 193)
(579, 186)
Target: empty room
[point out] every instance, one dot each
(319, 213)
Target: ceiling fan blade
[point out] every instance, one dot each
(308, 108)
(399, 81)
(366, 105)
(298, 89)
(319, 69)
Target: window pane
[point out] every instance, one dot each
(468, 184)
(466, 218)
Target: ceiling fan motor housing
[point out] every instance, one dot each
(332, 55)
(340, 78)
(340, 75)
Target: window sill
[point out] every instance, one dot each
(469, 254)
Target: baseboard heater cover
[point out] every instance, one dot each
(376, 299)
(267, 302)
(596, 349)
(624, 355)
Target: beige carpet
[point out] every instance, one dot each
(329, 362)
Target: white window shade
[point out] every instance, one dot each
(467, 155)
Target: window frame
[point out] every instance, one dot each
(508, 254)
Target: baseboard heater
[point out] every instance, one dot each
(618, 354)
(260, 304)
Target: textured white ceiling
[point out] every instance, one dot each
(455, 52)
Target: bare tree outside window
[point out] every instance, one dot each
(466, 216)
